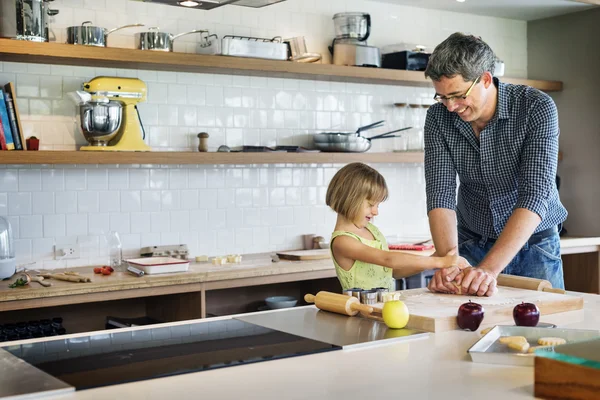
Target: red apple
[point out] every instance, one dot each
(526, 314)
(470, 316)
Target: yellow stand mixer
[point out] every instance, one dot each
(104, 123)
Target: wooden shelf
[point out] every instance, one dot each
(57, 53)
(175, 157)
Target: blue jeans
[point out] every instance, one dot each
(539, 258)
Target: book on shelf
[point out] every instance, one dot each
(2, 137)
(5, 122)
(10, 97)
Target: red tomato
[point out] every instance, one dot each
(97, 270)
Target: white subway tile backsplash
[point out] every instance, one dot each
(19, 204)
(189, 199)
(235, 216)
(268, 216)
(4, 204)
(180, 221)
(88, 202)
(76, 224)
(99, 223)
(120, 222)
(131, 201)
(169, 238)
(217, 219)
(30, 180)
(66, 202)
(170, 200)
(199, 220)
(110, 201)
(54, 225)
(208, 199)
(140, 222)
(160, 222)
(211, 208)
(118, 179)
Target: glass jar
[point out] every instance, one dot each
(417, 121)
(400, 114)
(115, 251)
(8, 262)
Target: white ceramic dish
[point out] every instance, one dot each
(160, 265)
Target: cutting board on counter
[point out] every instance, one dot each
(304, 255)
(436, 312)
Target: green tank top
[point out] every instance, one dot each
(364, 275)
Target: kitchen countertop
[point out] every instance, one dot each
(436, 366)
(252, 266)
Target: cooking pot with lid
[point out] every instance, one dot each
(25, 19)
(89, 35)
(160, 41)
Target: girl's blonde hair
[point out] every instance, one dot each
(351, 186)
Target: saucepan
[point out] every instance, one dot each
(349, 142)
(355, 133)
(160, 41)
(89, 35)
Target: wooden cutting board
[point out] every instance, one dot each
(305, 255)
(435, 312)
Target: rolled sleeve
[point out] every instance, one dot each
(440, 172)
(539, 158)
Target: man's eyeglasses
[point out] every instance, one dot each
(443, 99)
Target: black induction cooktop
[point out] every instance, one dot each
(109, 358)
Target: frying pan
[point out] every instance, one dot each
(349, 142)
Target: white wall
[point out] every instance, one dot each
(218, 209)
(567, 47)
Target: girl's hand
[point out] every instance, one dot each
(453, 260)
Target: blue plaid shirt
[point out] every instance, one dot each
(512, 165)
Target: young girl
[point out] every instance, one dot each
(360, 252)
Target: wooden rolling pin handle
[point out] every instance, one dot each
(361, 307)
(522, 282)
(41, 281)
(555, 290)
(309, 298)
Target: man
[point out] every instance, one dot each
(502, 141)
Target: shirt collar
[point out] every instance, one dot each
(502, 106)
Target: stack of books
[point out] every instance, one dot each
(12, 136)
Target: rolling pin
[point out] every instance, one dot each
(522, 282)
(337, 303)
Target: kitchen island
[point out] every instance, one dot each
(436, 366)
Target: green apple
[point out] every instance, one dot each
(395, 314)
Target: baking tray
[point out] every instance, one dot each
(489, 351)
(254, 48)
(160, 265)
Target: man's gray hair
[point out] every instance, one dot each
(460, 54)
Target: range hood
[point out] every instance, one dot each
(210, 4)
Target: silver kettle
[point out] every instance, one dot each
(25, 19)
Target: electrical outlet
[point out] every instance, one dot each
(66, 252)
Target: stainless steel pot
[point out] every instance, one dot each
(88, 35)
(343, 142)
(159, 41)
(25, 19)
(100, 121)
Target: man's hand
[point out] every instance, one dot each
(443, 279)
(477, 281)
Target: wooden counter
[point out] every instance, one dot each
(209, 290)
